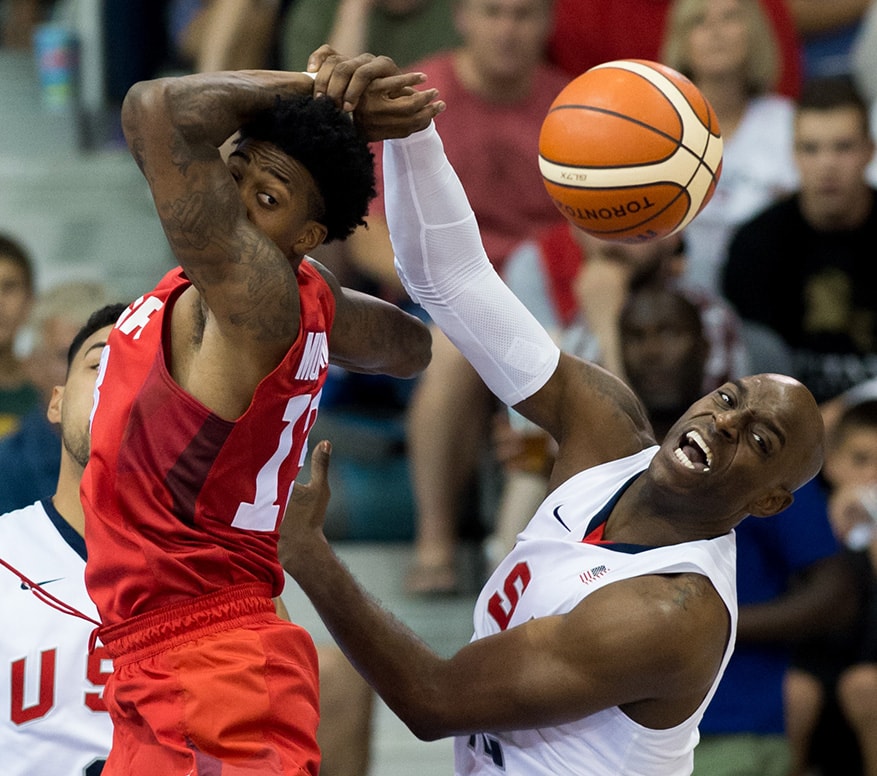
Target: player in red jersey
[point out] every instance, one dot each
(208, 388)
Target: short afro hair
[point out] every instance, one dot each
(321, 137)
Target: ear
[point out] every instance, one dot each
(53, 413)
(771, 503)
(312, 234)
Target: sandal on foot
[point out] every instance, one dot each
(431, 580)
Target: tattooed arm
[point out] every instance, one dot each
(240, 231)
(241, 314)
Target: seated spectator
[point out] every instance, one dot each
(17, 392)
(20, 19)
(728, 49)
(589, 32)
(577, 284)
(30, 457)
(404, 30)
(213, 35)
(863, 65)
(828, 32)
(803, 268)
(793, 583)
(838, 673)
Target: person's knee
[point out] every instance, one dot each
(803, 696)
(857, 694)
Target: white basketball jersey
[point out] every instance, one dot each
(551, 570)
(53, 718)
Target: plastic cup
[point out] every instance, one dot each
(57, 58)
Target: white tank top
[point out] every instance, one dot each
(561, 571)
(52, 716)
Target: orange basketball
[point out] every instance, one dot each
(630, 151)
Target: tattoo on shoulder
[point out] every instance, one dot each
(689, 588)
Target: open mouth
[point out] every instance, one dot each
(694, 453)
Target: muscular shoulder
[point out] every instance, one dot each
(661, 638)
(594, 416)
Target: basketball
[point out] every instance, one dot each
(630, 151)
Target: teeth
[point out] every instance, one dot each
(683, 459)
(696, 438)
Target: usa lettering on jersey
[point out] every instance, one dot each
(24, 709)
(138, 314)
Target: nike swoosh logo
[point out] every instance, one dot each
(25, 586)
(557, 516)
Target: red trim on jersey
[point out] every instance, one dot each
(596, 536)
(46, 597)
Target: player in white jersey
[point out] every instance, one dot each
(54, 720)
(598, 646)
(558, 569)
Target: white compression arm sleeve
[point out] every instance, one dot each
(443, 266)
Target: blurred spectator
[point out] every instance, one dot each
(837, 674)
(589, 32)
(404, 30)
(864, 54)
(828, 32)
(577, 284)
(498, 90)
(29, 458)
(727, 48)
(17, 393)
(792, 584)
(20, 18)
(803, 268)
(863, 57)
(209, 35)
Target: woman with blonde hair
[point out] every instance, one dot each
(727, 48)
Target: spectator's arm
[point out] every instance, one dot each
(814, 17)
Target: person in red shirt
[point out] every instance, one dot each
(588, 32)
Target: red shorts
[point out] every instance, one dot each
(219, 686)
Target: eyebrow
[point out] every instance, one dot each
(273, 171)
(96, 345)
(772, 427)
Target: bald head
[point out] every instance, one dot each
(799, 414)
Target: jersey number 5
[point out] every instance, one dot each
(501, 608)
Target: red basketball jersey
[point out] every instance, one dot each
(180, 502)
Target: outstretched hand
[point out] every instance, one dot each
(303, 521)
(383, 100)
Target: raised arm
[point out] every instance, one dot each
(592, 415)
(547, 671)
(240, 229)
(174, 128)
